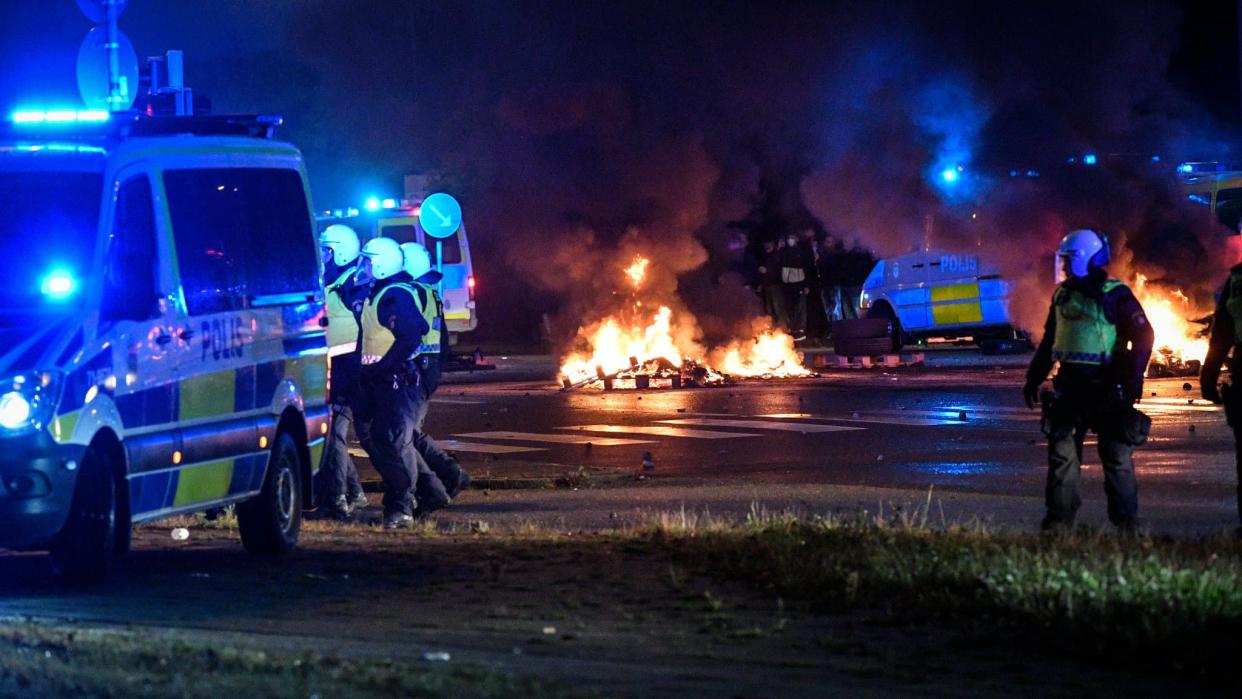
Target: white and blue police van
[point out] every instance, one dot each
(162, 346)
(939, 294)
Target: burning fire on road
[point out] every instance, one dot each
(649, 345)
(1181, 343)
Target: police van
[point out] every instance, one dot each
(162, 347)
(400, 221)
(1217, 186)
(938, 293)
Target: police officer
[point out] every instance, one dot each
(337, 487)
(428, 363)
(1226, 334)
(393, 327)
(1098, 333)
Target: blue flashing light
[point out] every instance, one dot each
(371, 204)
(1013, 173)
(950, 175)
(60, 116)
(1032, 173)
(58, 285)
(1089, 159)
(389, 203)
(1155, 158)
(1185, 167)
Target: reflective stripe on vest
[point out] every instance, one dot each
(377, 339)
(1233, 304)
(342, 324)
(1084, 335)
(433, 313)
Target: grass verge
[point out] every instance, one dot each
(50, 661)
(1178, 603)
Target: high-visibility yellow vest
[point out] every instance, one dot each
(1233, 304)
(377, 339)
(342, 324)
(433, 313)
(1084, 335)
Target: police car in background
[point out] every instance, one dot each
(161, 343)
(400, 221)
(1218, 186)
(939, 293)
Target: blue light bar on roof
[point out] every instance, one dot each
(60, 116)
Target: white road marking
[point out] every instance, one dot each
(475, 447)
(456, 401)
(763, 425)
(457, 445)
(866, 417)
(659, 430)
(555, 438)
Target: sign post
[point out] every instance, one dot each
(107, 64)
(440, 217)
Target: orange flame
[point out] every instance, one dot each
(1169, 313)
(638, 270)
(770, 354)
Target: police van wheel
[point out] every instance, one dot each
(85, 549)
(270, 522)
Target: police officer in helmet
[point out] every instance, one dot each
(1098, 334)
(337, 488)
(435, 342)
(393, 327)
(1227, 335)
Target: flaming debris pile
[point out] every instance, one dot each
(1181, 344)
(657, 348)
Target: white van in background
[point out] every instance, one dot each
(400, 221)
(939, 293)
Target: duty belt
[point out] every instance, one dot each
(1082, 357)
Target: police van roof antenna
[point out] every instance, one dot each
(167, 83)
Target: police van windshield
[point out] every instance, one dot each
(48, 225)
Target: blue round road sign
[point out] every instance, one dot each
(440, 215)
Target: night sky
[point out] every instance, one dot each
(575, 133)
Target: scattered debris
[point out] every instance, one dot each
(648, 461)
(549, 630)
(180, 534)
(437, 656)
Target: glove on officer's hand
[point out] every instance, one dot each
(1030, 393)
(1132, 391)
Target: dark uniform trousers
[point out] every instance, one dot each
(387, 417)
(1068, 420)
(445, 467)
(337, 473)
(1233, 414)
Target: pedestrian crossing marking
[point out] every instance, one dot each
(458, 445)
(866, 417)
(480, 448)
(660, 430)
(763, 425)
(555, 438)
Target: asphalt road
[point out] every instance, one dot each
(846, 440)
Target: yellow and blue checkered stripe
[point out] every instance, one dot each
(158, 416)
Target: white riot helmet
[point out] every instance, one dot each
(342, 241)
(1085, 250)
(384, 256)
(417, 259)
